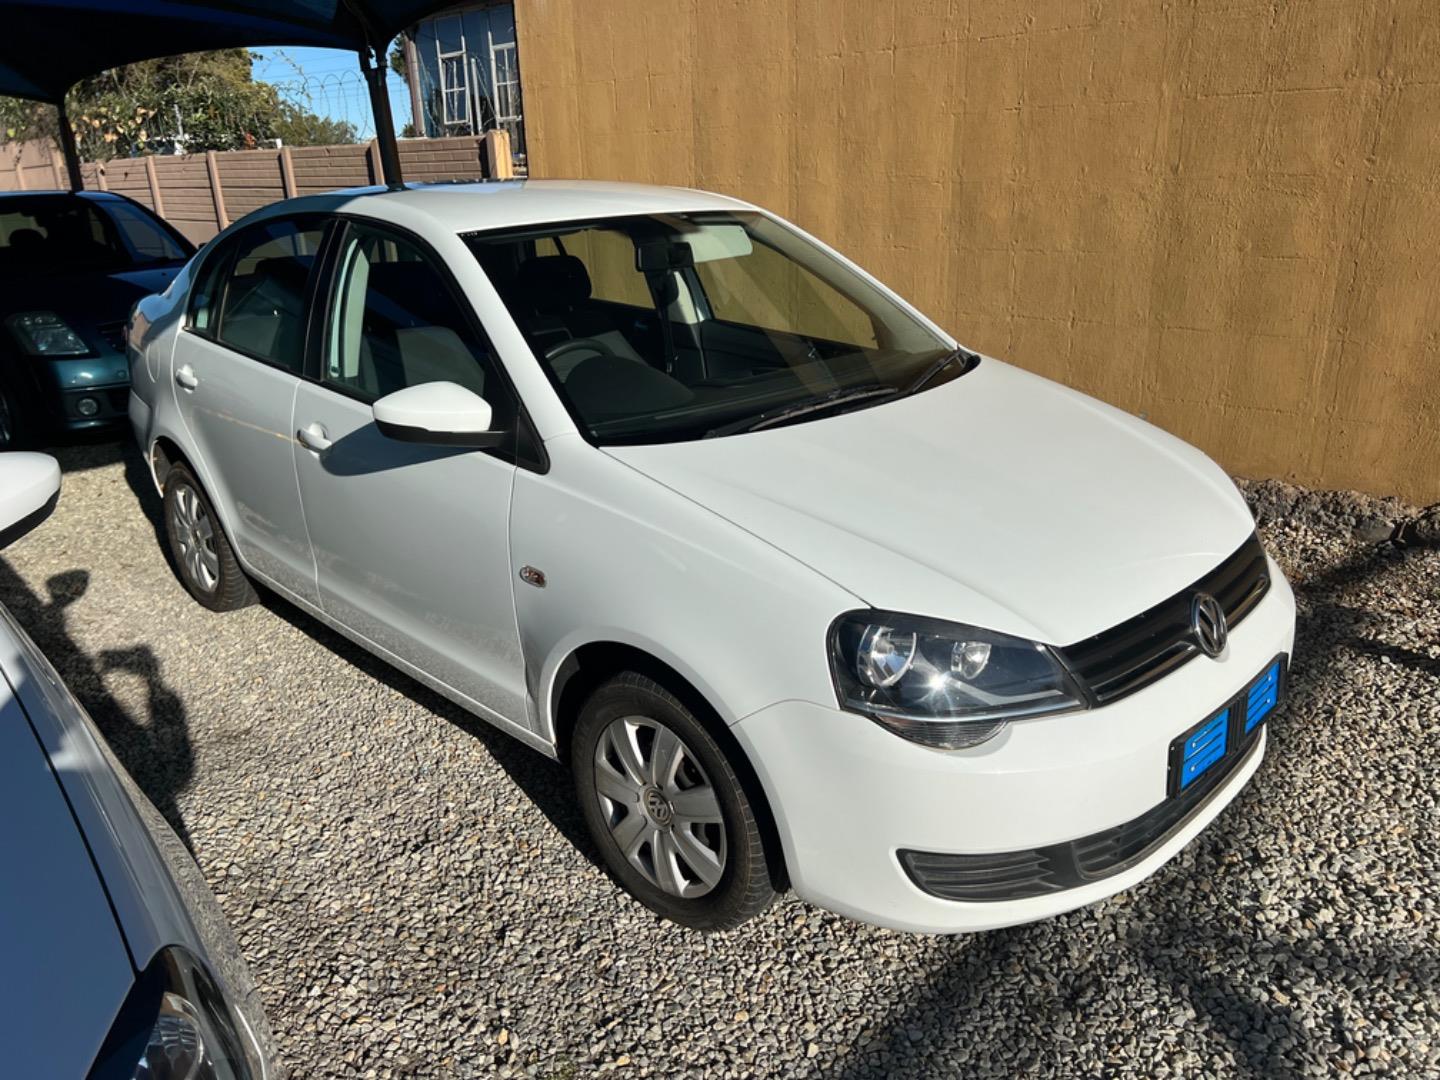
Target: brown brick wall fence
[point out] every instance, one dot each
(202, 193)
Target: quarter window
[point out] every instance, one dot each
(262, 308)
(396, 323)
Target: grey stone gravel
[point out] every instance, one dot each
(415, 896)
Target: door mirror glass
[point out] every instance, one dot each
(29, 489)
(438, 413)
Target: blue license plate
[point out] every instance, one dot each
(1226, 734)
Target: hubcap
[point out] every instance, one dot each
(195, 537)
(659, 806)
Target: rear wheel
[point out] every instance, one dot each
(203, 557)
(666, 808)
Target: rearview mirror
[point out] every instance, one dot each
(439, 414)
(660, 256)
(29, 490)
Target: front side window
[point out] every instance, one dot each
(255, 301)
(396, 323)
(62, 234)
(659, 328)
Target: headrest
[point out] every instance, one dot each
(289, 272)
(27, 238)
(552, 282)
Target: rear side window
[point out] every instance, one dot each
(144, 236)
(253, 297)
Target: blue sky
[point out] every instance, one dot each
(329, 81)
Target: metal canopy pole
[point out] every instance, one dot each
(68, 148)
(374, 71)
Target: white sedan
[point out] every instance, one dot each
(803, 591)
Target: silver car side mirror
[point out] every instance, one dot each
(29, 490)
(439, 414)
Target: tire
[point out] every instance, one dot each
(696, 851)
(204, 560)
(12, 434)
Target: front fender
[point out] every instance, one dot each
(627, 560)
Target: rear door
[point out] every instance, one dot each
(411, 541)
(236, 369)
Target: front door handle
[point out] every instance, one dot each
(313, 438)
(185, 376)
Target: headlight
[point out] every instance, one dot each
(176, 1026)
(43, 333)
(944, 684)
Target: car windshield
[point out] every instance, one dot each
(63, 233)
(660, 328)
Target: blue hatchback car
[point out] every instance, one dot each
(72, 264)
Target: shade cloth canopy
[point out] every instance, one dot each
(46, 46)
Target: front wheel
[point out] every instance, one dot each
(667, 810)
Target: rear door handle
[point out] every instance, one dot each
(185, 376)
(313, 438)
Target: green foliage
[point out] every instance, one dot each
(301, 127)
(22, 120)
(186, 104)
(397, 59)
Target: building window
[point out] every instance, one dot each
(468, 80)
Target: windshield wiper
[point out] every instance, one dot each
(835, 399)
(937, 367)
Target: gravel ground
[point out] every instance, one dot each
(415, 896)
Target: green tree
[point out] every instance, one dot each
(190, 103)
(301, 127)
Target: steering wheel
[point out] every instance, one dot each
(589, 344)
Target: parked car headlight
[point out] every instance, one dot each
(175, 1025)
(943, 684)
(43, 333)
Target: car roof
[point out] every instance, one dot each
(474, 207)
(92, 196)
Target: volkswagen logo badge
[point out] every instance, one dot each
(1207, 624)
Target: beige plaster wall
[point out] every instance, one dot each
(1222, 215)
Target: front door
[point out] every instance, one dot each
(411, 541)
(235, 372)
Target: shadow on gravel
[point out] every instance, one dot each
(92, 453)
(142, 486)
(157, 755)
(545, 782)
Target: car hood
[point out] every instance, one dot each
(66, 966)
(1000, 499)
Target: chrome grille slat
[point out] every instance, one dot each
(1137, 652)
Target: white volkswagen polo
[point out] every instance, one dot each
(803, 591)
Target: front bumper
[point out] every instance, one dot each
(848, 796)
(69, 389)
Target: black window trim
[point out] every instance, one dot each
(222, 260)
(322, 313)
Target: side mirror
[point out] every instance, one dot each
(438, 414)
(29, 490)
